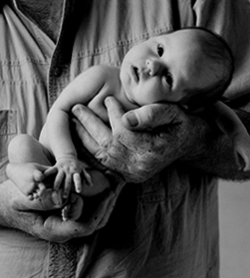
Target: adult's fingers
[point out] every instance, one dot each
(150, 116)
(97, 130)
(125, 141)
(85, 138)
(115, 113)
(100, 141)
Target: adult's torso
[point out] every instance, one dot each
(166, 227)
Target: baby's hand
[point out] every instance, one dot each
(70, 172)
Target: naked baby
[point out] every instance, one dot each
(191, 67)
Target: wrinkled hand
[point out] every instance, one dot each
(19, 213)
(136, 155)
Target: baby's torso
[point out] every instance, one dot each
(97, 104)
(112, 87)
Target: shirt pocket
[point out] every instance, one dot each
(8, 130)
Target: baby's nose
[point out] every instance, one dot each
(154, 66)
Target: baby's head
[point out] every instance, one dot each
(217, 67)
(191, 66)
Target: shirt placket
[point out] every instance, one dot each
(62, 256)
(59, 67)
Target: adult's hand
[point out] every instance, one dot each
(17, 211)
(151, 116)
(137, 155)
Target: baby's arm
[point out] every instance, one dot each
(231, 125)
(58, 139)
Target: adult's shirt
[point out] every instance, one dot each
(166, 227)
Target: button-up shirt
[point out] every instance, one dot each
(165, 227)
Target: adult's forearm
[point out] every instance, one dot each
(213, 152)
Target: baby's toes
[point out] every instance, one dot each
(66, 213)
(31, 197)
(41, 189)
(38, 176)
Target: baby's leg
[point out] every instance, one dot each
(28, 160)
(25, 148)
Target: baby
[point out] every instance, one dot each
(191, 67)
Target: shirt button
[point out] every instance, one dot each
(57, 72)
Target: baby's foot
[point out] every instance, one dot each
(38, 177)
(73, 209)
(45, 202)
(38, 192)
(26, 176)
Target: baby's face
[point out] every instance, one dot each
(161, 68)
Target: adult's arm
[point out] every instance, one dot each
(171, 137)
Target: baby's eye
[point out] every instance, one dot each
(160, 50)
(169, 79)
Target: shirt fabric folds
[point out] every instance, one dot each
(165, 227)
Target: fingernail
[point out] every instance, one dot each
(132, 119)
(107, 100)
(74, 110)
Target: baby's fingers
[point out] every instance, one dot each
(67, 185)
(77, 182)
(50, 171)
(59, 180)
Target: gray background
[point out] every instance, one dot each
(234, 206)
